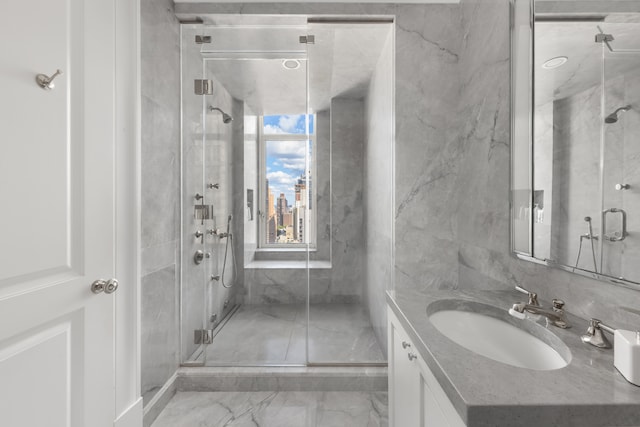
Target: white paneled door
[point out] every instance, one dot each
(57, 213)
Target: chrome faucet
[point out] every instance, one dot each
(555, 316)
(533, 297)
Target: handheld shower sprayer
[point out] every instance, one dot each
(591, 237)
(590, 229)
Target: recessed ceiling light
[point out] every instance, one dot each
(555, 62)
(291, 64)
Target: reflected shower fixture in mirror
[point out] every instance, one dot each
(613, 117)
(225, 117)
(569, 159)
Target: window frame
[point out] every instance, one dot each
(311, 226)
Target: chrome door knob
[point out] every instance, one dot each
(111, 286)
(622, 187)
(98, 286)
(106, 286)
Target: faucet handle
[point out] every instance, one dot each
(557, 304)
(594, 335)
(533, 297)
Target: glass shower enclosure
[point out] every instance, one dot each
(275, 132)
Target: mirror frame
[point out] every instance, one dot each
(522, 90)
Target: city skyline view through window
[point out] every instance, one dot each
(286, 139)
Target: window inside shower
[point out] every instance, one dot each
(287, 169)
(286, 190)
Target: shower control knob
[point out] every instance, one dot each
(411, 356)
(622, 187)
(212, 186)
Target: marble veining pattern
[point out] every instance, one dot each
(588, 392)
(160, 182)
(275, 409)
(276, 334)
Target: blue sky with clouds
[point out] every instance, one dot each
(285, 159)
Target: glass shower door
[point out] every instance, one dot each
(246, 158)
(350, 259)
(621, 151)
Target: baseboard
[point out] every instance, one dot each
(159, 401)
(132, 417)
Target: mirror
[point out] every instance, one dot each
(576, 137)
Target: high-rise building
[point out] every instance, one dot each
(271, 204)
(272, 229)
(271, 222)
(287, 219)
(281, 209)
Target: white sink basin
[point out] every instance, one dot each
(491, 332)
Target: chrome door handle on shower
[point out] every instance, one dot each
(615, 237)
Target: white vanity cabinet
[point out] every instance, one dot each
(415, 397)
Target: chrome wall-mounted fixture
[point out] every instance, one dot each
(199, 256)
(212, 186)
(617, 236)
(202, 212)
(46, 82)
(203, 87)
(225, 117)
(203, 39)
(615, 116)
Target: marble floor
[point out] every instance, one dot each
(275, 334)
(275, 409)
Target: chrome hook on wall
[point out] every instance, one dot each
(46, 82)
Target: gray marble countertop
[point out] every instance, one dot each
(589, 391)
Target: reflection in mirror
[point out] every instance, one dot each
(585, 155)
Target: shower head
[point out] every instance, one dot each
(225, 117)
(613, 117)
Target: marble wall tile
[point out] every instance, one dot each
(160, 164)
(289, 285)
(347, 208)
(425, 152)
(250, 180)
(159, 341)
(323, 192)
